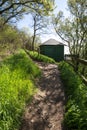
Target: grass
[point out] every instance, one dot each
(39, 57)
(24, 62)
(76, 91)
(17, 74)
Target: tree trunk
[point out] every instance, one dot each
(33, 42)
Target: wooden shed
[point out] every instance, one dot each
(53, 48)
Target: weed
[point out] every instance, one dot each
(16, 88)
(40, 57)
(76, 91)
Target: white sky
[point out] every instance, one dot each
(26, 22)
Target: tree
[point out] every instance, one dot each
(26, 38)
(78, 10)
(39, 26)
(10, 9)
(73, 30)
(9, 39)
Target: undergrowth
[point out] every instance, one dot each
(17, 87)
(39, 57)
(76, 91)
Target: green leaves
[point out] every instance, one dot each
(73, 29)
(9, 39)
(15, 9)
(76, 91)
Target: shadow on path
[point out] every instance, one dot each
(47, 108)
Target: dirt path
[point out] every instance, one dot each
(47, 108)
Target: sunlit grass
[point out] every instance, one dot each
(39, 57)
(76, 91)
(16, 88)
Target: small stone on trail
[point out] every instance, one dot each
(32, 121)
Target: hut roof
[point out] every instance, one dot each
(52, 42)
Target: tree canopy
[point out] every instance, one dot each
(16, 8)
(73, 30)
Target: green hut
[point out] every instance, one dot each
(53, 49)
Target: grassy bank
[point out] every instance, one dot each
(39, 57)
(17, 74)
(76, 91)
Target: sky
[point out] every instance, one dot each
(26, 22)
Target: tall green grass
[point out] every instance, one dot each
(17, 87)
(76, 91)
(39, 57)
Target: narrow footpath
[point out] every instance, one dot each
(46, 111)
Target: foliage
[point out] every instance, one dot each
(15, 9)
(9, 39)
(26, 38)
(76, 91)
(16, 88)
(39, 57)
(73, 29)
(83, 70)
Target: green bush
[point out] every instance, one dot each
(76, 91)
(40, 57)
(16, 89)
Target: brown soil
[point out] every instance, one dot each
(46, 111)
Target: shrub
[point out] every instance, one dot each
(76, 91)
